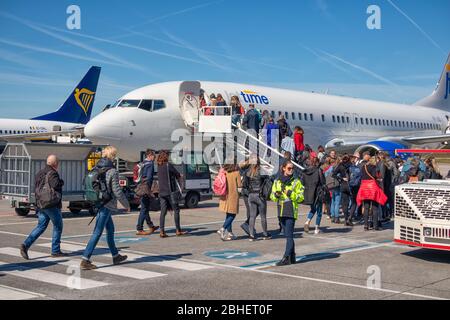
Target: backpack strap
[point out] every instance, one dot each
(367, 171)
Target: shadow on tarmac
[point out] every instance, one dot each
(430, 255)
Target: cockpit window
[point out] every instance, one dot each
(115, 104)
(146, 105)
(129, 103)
(158, 105)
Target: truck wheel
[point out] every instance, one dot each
(23, 212)
(192, 200)
(75, 211)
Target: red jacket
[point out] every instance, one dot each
(298, 140)
(370, 190)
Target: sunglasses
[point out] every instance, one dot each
(289, 168)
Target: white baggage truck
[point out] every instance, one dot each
(422, 214)
(20, 163)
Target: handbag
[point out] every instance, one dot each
(143, 190)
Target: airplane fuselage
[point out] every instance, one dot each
(325, 118)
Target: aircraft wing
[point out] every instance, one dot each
(427, 139)
(350, 143)
(37, 136)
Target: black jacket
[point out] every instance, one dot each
(53, 180)
(312, 179)
(167, 179)
(341, 172)
(253, 184)
(252, 120)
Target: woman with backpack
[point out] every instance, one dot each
(229, 203)
(288, 193)
(315, 189)
(254, 182)
(169, 193)
(370, 194)
(104, 218)
(342, 174)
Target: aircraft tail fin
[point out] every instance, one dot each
(440, 98)
(78, 106)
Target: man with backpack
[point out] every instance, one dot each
(48, 192)
(102, 186)
(144, 179)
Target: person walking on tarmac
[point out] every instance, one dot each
(254, 180)
(288, 193)
(315, 189)
(104, 218)
(48, 176)
(229, 203)
(148, 171)
(169, 193)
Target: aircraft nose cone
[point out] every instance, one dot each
(104, 130)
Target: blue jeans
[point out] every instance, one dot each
(44, 217)
(288, 229)
(335, 202)
(317, 208)
(144, 215)
(228, 222)
(104, 220)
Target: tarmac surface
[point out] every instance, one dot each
(339, 263)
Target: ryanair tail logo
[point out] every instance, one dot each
(447, 82)
(84, 98)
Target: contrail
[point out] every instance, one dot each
(198, 52)
(71, 42)
(126, 45)
(232, 58)
(367, 71)
(176, 13)
(329, 61)
(416, 25)
(55, 52)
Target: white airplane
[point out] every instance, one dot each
(146, 117)
(71, 116)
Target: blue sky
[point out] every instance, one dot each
(312, 45)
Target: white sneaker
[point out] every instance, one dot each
(220, 232)
(317, 231)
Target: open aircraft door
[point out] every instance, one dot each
(190, 102)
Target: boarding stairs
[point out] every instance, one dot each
(217, 122)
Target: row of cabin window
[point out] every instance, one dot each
(392, 123)
(19, 131)
(376, 122)
(301, 116)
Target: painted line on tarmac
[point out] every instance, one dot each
(67, 219)
(45, 276)
(321, 255)
(121, 271)
(10, 293)
(345, 284)
(167, 229)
